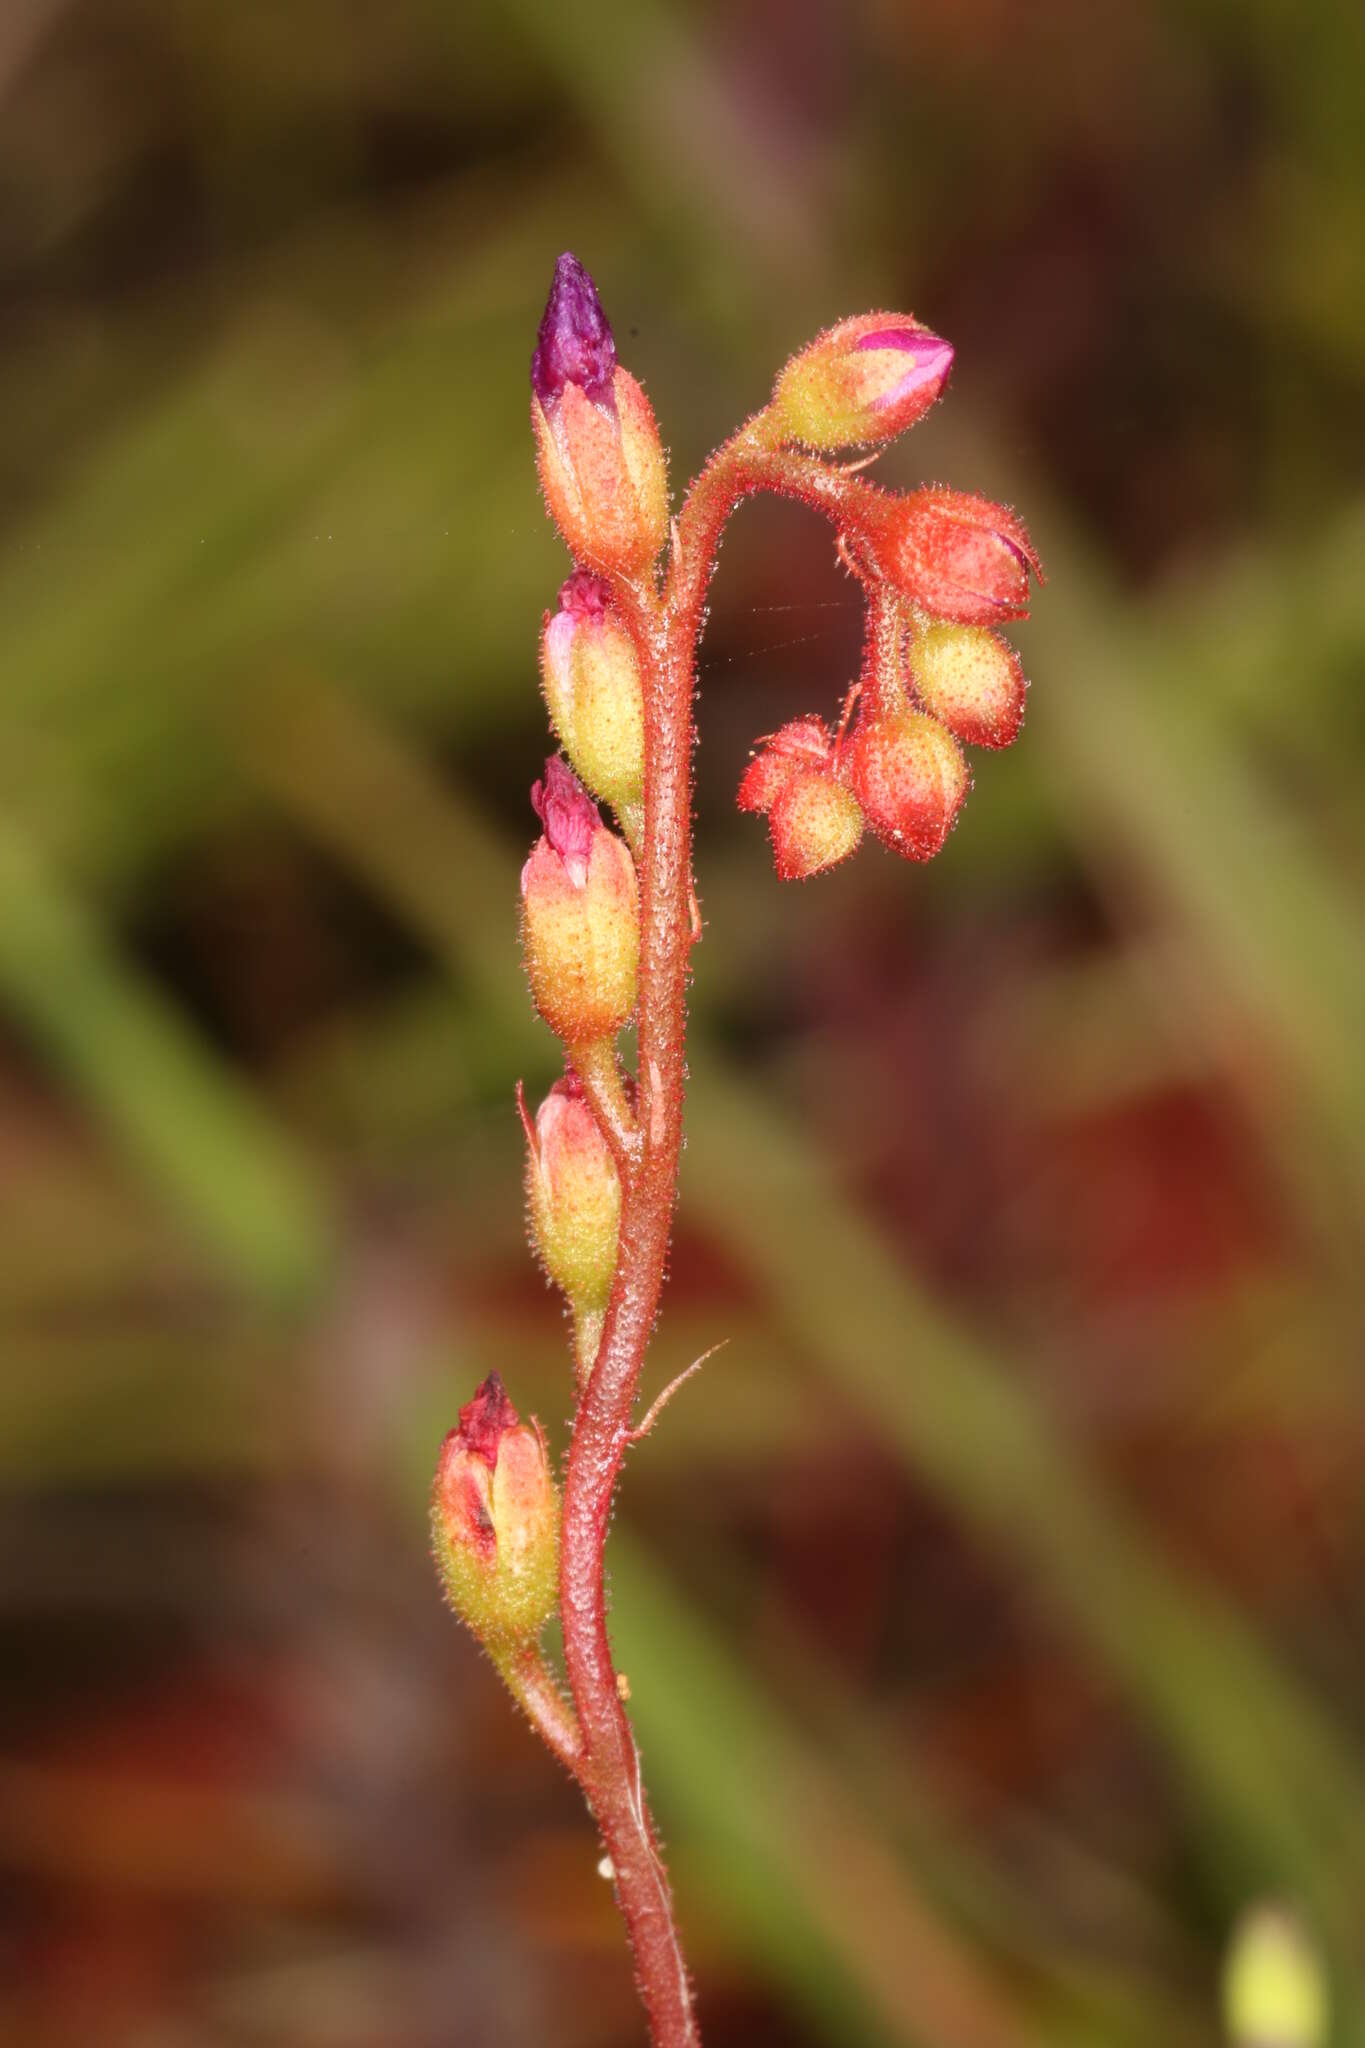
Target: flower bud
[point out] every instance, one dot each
(804, 743)
(815, 823)
(598, 449)
(1274, 1984)
(865, 380)
(956, 555)
(910, 777)
(495, 1520)
(573, 1196)
(580, 914)
(971, 680)
(591, 677)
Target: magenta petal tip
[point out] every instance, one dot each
(929, 359)
(575, 344)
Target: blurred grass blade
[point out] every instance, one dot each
(350, 780)
(1254, 1749)
(820, 1893)
(1015, 1918)
(195, 1132)
(1160, 793)
(746, 206)
(1164, 802)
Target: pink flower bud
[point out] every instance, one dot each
(804, 743)
(495, 1520)
(573, 1196)
(910, 777)
(598, 449)
(815, 823)
(971, 681)
(575, 344)
(591, 677)
(957, 556)
(580, 914)
(865, 380)
(569, 816)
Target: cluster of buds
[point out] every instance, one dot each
(495, 1522)
(495, 1513)
(813, 816)
(900, 772)
(942, 570)
(945, 567)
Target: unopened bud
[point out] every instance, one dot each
(580, 914)
(804, 743)
(591, 676)
(1274, 1988)
(956, 555)
(865, 380)
(573, 1196)
(971, 681)
(815, 823)
(598, 448)
(495, 1520)
(910, 777)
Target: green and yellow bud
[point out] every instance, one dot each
(573, 1196)
(971, 680)
(580, 915)
(591, 678)
(495, 1521)
(815, 823)
(864, 381)
(1274, 1987)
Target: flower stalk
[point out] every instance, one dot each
(609, 921)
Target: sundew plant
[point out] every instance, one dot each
(609, 918)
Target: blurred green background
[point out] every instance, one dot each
(992, 1604)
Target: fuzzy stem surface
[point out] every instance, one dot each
(599, 1069)
(526, 1675)
(610, 1770)
(666, 632)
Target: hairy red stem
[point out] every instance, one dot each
(527, 1678)
(666, 633)
(610, 1769)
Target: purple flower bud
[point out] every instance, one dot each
(485, 1420)
(569, 816)
(584, 596)
(597, 444)
(575, 345)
